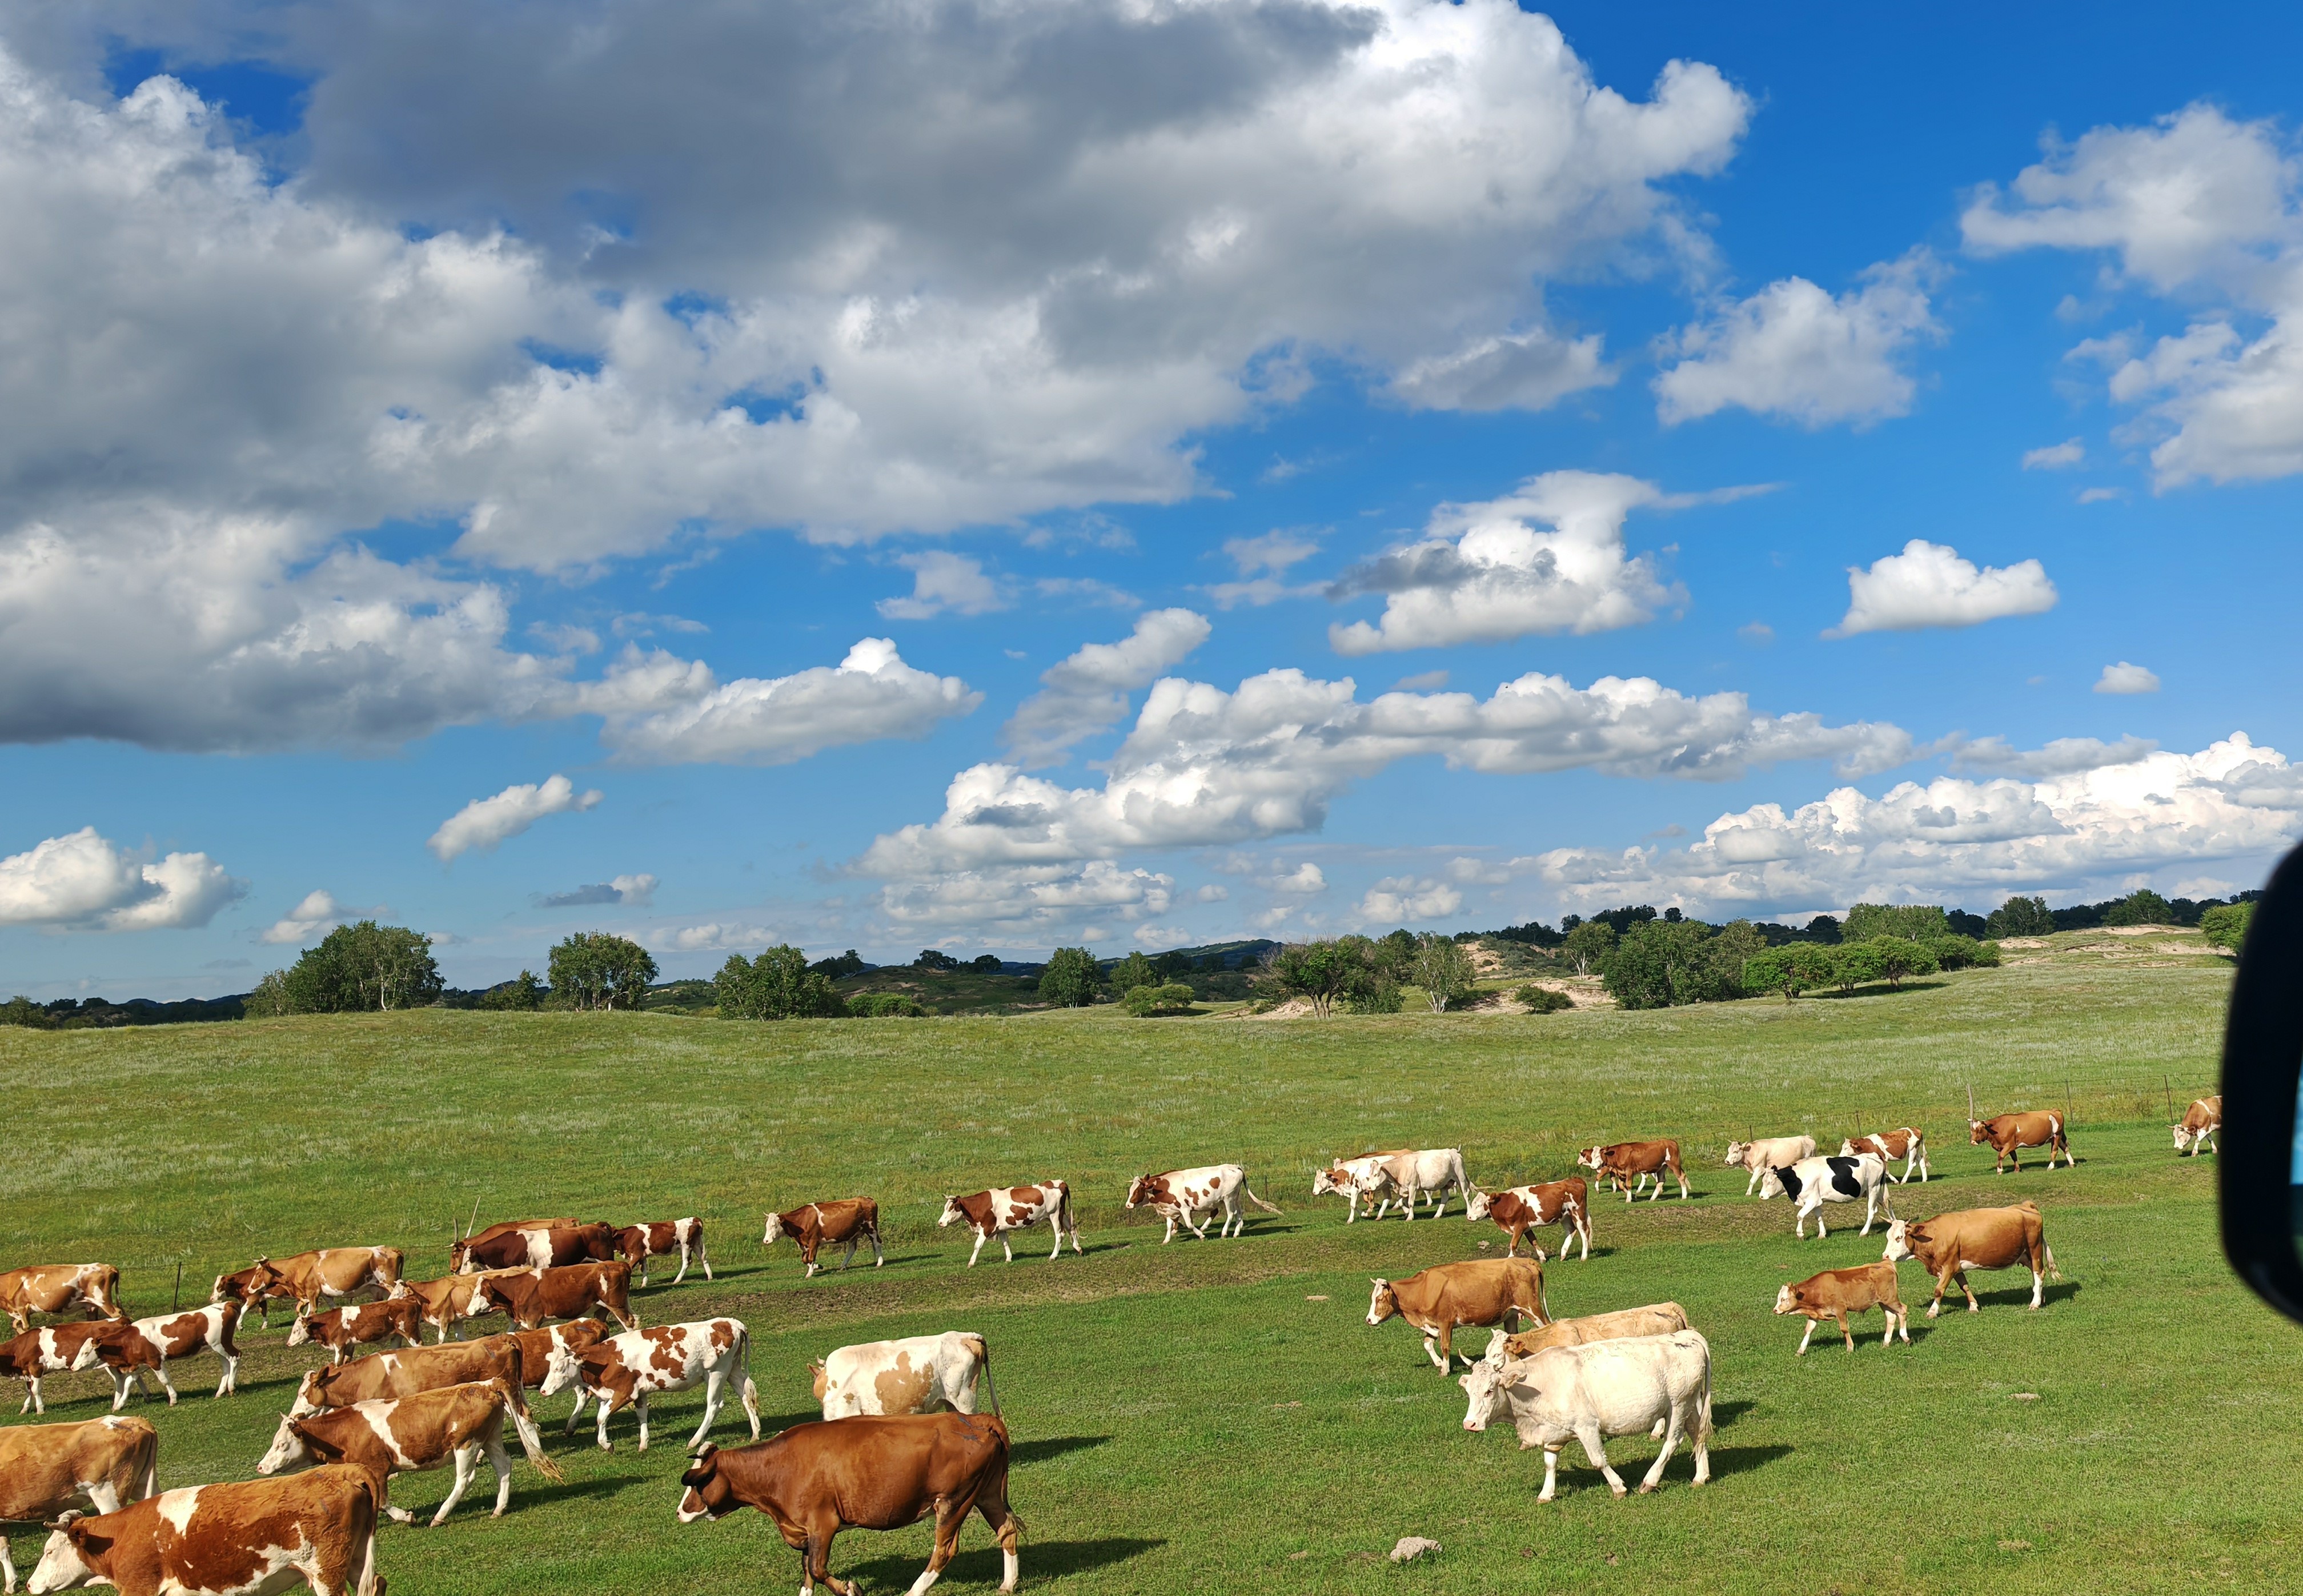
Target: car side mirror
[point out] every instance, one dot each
(2257, 1161)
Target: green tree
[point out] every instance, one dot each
(1660, 963)
(1325, 973)
(523, 993)
(985, 964)
(2022, 916)
(1133, 971)
(1733, 946)
(1913, 922)
(1442, 967)
(1956, 952)
(1901, 959)
(934, 959)
(1854, 965)
(364, 966)
(778, 984)
(1146, 1002)
(1790, 969)
(1393, 958)
(1072, 979)
(268, 999)
(598, 970)
(2225, 925)
(2142, 906)
(20, 1010)
(1587, 945)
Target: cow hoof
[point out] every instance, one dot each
(1621, 1491)
(1646, 1489)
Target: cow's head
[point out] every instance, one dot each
(1846, 1146)
(1771, 1183)
(2184, 1137)
(1791, 1297)
(86, 1356)
(1978, 1130)
(774, 1231)
(301, 1331)
(1899, 1241)
(1330, 1181)
(1589, 1158)
(952, 1214)
(580, 1336)
(1481, 1204)
(1484, 1387)
(1143, 1188)
(562, 1368)
(459, 1253)
(307, 1396)
(707, 1495)
(291, 1447)
(821, 1380)
(1736, 1152)
(72, 1558)
(1383, 1301)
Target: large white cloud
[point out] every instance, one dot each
(1794, 351)
(82, 881)
(1929, 584)
(487, 823)
(1086, 692)
(316, 914)
(1951, 839)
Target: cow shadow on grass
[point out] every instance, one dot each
(2015, 1296)
(1041, 1560)
(1729, 1461)
(1040, 1451)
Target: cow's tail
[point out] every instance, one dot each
(1703, 1428)
(751, 1391)
(990, 1392)
(144, 1465)
(2050, 1252)
(531, 1441)
(366, 1581)
(1250, 1196)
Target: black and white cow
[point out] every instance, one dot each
(1812, 1182)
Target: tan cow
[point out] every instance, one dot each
(255, 1287)
(1656, 1318)
(842, 1222)
(452, 1299)
(2010, 1134)
(57, 1348)
(2203, 1123)
(404, 1373)
(1482, 1292)
(1907, 1142)
(1563, 1203)
(400, 1435)
(340, 1330)
(265, 1535)
(1836, 1293)
(1629, 1166)
(49, 1469)
(333, 1272)
(51, 1288)
(660, 1238)
(1951, 1244)
(1764, 1154)
(459, 1252)
(569, 1292)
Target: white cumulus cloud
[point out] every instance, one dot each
(81, 882)
(2124, 677)
(1929, 584)
(487, 823)
(941, 581)
(1400, 900)
(2056, 457)
(315, 915)
(2062, 756)
(1088, 691)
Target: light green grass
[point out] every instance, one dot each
(1191, 1418)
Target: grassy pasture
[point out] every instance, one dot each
(1216, 1416)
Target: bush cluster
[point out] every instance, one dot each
(1145, 1001)
(1543, 999)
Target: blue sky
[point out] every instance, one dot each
(418, 426)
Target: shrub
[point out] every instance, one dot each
(1900, 960)
(1375, 996)
(884, 1005)
(1660, 963)
(2225, 925)
(1133, 971)
(1543, 999)
(1072, 979)
(1589, 944)
(1854, 965)
(1790, 969)
(1145, 1001)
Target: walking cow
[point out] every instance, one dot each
(1767, 1154)
(1908, 1142)
(1836, 1293)
(814, 1225)
(1812, 1182)
(1630, 1165)
(1481, 1292)
(2010, 1134)
(395, 1435)
(1588, 1393)
(54, 1289)
(991, 1213)
(269, 1535)
(1195, 1196)
(1566, 1204)
(1951, 1244)
(917, 1374)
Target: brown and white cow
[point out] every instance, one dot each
(265, 1535)
(1907, 1142)
(1836, 1293)
(363, 1324)
(843, 1221)
(536, 1348)
(660, 1238)
(1656, 1318)
(452, 1299)
(1766, 1153)
(915, 1374)
(1563, 1203)
(1951, 1244)
(1629, 1166)
(176, 1337)
(867, 1473)
(1356, 1180)
(333, 1272)
(54, 1289)
(1187, 1195)
(401, 1435)
(53, 1348)
(1439, 1300)
(419, 1369)
(625, 1370)
(255, 1287)
(49, 1469)
(997, 1211)
(2008, 1134)
(2203, 1123)
(458, 1251)
(569, 1292)
(552, 1246)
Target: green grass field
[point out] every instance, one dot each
(1216, 1415)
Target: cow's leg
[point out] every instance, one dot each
(166, 1384)
(1870, 1209)
(500, 1460)
(1961, 1275)
(467, 1459)
(1008, 1528)
(946, 1542)
(819, 1556)
(2038, 1283)
(1673, 1428)
(8, 1568)
(1171, 1236)
(715, 1391)
(1431, 1350)
(1550, 1474)
(608, 1401)
(1805, 1339)
(1845, 1333)
(1821, 1229)
(981, 1238)
(683, 1267)
(808, 1256)
(1595, 1447)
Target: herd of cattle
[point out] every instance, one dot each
(902, 1436)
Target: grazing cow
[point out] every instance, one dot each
(1812, 1182)
(452, 1299)
(255, 1287)
(458, 1251)
(419, 1369)
(660, 1238)
(2202, 1123)
(332, 1272)
(1563, 1203)
(1188, 1194)
(340, 1330)
(917, 1374)
(997, 1211)
(569, 1292)
(1908, 1142)
(1600, 1389)
(1432, 1172)
(1766, 1153)
(1357, 1180)
(1630, 1165)
(625, 1370)
(1951, 1244)
(1836, 1293)
(1656, 1319)
(265, 1535)
(1482, 1292)
(57, 1348)
(400, 1435)
(818, 1224)
(49, 1469)
(51, 1288)
(2010, 1134)
(550, 1247)
(867, 1474)
(180, 1336)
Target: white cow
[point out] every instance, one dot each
(626, 1370)
(1356, 1180)
(1588, 1393)
(916, 1374)
(1434, 1171)
(1001, 1210)
(180, 1336)
(1814, 1181)
(1195, 1196)
(1766, 1153)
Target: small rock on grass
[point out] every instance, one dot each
(1412, 1547)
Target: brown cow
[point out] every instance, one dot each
(1629, 1166)
(181, 1336)
(815, 1225)
(660, 1238)
(2203, 1122)
(1482, 1292)
(1908, 1142)
(333, 1272)
(625, 1370)
(569, 1292)
(2010, 1134)
(452, 1298)
(1003, 1209)
(1656, 1319)
(457, 1249)
(1951, 1244)
(1565, 1202)
(48, 1469)
(51, 1288)
(871, 1474)
(1836, 1293)
(536, 1348)
(550, 1247)
(340, 1330)
(397, 1435)
(255, 1287)
(404, 1373)
(318, 1529)
(57, 1348)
